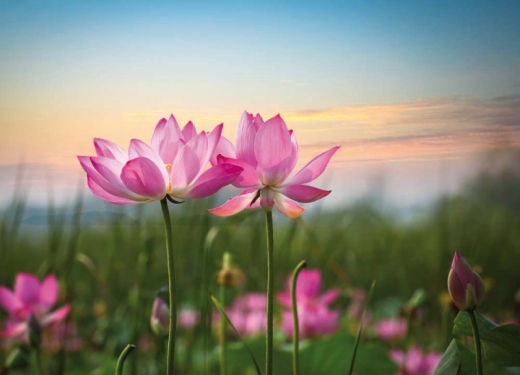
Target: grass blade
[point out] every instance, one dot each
(223, 312)
(360, 329)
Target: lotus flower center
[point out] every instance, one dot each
(168, 168)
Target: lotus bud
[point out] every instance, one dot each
(160, 318)
(465, 286)
(34, 332)
(230, 275)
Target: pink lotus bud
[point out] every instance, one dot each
(160, 319)
(465, 286)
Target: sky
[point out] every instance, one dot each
(415, 93)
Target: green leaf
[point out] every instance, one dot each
(500, 344)
(324, 355)
(330, 355)
(503, 345)
(462, 324)
(238, 363)
(106, 367)
(457, 360)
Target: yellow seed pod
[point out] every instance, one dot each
(231, 277)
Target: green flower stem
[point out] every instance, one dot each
(38, 361)
(222, 328)
(270, 295)
(296, 326)
(476, 336)
(170, 355)
(122, 358)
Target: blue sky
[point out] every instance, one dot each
(348, 53)
(412, 73)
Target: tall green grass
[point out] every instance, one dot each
(111, 267)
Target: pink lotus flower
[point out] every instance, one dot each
(267, 152)
(314, 316)
(30, 297)
(392, 329)
(414, 362)
(465, 286)
(248, 314)
(172, 166)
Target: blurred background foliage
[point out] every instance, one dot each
(111, 260)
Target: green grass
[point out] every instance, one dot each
(110, 271)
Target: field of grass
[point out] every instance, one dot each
(110, 266)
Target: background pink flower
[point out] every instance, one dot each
(392, 329)
(188, 318)
(414, 362)
(248, 314)
(174, 165)
(267, 152)
(314, 315)
(160, 317)
(30, 297)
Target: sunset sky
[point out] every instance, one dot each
(414, 92)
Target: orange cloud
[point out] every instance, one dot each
(425, 129)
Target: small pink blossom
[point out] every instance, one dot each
(188, 318)
(248, 314)
(173, 165)
(392, 329)
(30, 297)
(267, 152)
(314, 315)
(414, 362)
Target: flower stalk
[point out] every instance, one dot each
(270, 294)
(467, 290)
(476, 336)
(37, 361)
(170, 354)
(34, 339)
(222, 329)
(296, 326)
(222, 279)
(122, 358)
